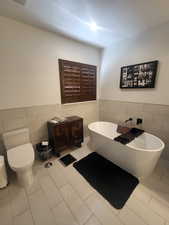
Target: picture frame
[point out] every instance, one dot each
(142, 75)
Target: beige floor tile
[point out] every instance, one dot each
(40, 171)
(34, 187)
(160, 207)
(82, 187)
(4, 193)
(77, 206)
(63, 215)
(5, 211)
(142, 193)
(52, 193)
(23, 219)
(78, 182)
(59, 165)
(143, 210)
(61, 196)
(57, 175)
(81, 153)
(93, 221)
(96, 198)
(104, 212)
(40, 210)
(158, 188)
(81, 212)
(128, 217)
(71, 171)
(19, 200)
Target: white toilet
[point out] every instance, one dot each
(20, 154)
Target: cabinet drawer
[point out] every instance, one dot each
(61, 130)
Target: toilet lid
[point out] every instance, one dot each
(20, 156)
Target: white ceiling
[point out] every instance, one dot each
(117, 19)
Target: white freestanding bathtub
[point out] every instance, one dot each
(139, 157)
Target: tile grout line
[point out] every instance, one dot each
(50, 208)
(137, 215)
(30, 207)
(155, 211)
(149, 206)
(63, 197)
(93, 214)
(77, 195)
(22, 212)
(47, 197)
(151, 209)
(119, 211)
(83, 200)
(115, 215)
(70, 208)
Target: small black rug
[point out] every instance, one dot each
(112, 182)
(67, 159)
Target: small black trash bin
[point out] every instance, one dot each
(44, 151)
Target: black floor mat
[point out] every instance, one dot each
(67, 159)
(112, 182)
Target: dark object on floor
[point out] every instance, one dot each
(112, 182)
(44, 152)
(48, 164)
(67, 159)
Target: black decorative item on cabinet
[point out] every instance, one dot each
(65, 133)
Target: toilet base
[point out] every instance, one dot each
(25, 178)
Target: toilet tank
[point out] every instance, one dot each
(14, 138)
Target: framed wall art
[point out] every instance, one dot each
(139, 75)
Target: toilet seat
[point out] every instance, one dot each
(21, 156)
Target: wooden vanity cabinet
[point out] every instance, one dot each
(65, 134)
(75, 124)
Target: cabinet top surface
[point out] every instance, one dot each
(57, 120)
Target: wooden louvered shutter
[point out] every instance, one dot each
(88, 83)
(78, 81)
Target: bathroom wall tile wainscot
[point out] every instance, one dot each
(155, 117)
(35, 118)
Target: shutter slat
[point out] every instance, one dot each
(78, 81)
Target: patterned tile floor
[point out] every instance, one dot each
(61, 196)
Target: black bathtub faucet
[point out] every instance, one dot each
(139, 121)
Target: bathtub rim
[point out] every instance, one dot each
(129, 145)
